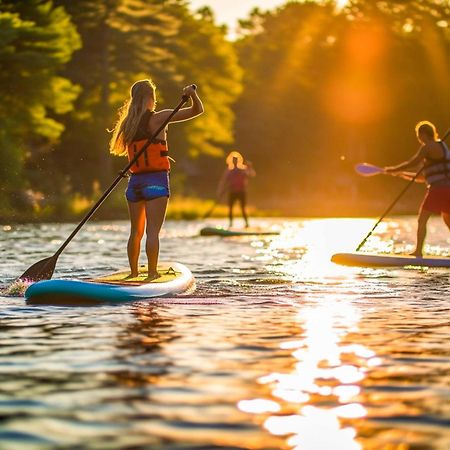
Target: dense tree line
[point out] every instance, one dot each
(304, 92)
(325, 88)
(67, 67)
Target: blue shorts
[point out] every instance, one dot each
(147, 186)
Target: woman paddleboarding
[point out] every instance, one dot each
(148, 188)
(235, 180)
(433, 160)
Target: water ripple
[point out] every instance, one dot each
(276, 349)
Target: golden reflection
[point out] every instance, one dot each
(313, 429)
(258, 405)
(304, 248)
(320, 397)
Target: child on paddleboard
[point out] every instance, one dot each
(433, 161)
(235, 180)
(148, 189)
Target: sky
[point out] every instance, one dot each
(229, 11)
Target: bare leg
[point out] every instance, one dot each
(137, 218)
(155, 211)
(421, 231)
(446, 218)
(243, 206)
(230, 210)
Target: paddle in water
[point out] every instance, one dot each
(43, 270)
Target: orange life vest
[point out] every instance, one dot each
(154, 158)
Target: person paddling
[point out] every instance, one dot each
(148, 188)
(235, 180)
(434, 157)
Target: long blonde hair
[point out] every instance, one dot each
(426, 127)
(240, 160)
(130, 115)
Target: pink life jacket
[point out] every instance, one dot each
(237, 180)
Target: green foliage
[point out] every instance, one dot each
(36, 40)
(122, 40)
(205, 57)
(306, 91)
(125, 40)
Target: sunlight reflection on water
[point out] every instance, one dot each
(320, 374)
(277, 348)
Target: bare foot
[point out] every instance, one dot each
(152, 276)
(416, 253)
(129, 277)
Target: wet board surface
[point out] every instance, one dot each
(374, 260)
(219, 231)
(175, 278)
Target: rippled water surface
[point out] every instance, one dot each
(277, 348)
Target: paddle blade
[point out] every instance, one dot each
(42, 270)
(368, 170)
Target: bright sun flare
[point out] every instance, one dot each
(341, 3)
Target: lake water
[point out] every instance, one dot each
(277, 348)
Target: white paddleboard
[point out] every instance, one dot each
(175, 278)
(398, 260)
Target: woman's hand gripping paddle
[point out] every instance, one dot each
(43, 270)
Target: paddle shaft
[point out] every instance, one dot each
(210, 210)
(122, 174)
(213, 207)
(399, 196)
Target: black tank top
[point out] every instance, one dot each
(143, 131)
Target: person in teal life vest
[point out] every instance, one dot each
(148, 189)
(434, 157)
(235, 180)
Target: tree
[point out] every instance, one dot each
(202, 55)
(324, 88)
(122, 41)
(125, 40)
(36, 40)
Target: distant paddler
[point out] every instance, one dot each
(434, 157)
(234, 181)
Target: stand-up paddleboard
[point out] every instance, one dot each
(175, 278)
(373, 260)
(219, 231)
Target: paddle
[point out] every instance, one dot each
(210, 210)
(368, 170)
(43, 270)
(213, 207)
(410, 183)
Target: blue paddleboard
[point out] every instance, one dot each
(175, 278)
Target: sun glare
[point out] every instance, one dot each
(303, 250)
(341, 4)
(322, 387)
(360, 96)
